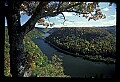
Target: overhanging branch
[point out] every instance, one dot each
(39, 13)
(63, 18)
(29, 25)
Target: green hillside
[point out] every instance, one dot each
(38, 63)
(98, 44)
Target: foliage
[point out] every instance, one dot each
(6, 55)
(34, 34)
(85, 41)
(43, 10)
(38, 63)
(40, 9)
(49, 68)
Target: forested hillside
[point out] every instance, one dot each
(93, 43)
(37, 63)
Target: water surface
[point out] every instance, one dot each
(76, 66)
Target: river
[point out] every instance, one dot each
(76, 66)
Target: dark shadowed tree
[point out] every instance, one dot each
(2, 38)
(39, 11)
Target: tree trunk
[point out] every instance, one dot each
(16, 36)
(17, 58)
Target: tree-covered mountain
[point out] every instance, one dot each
(37, 63)
(87, 41)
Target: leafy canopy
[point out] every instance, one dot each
(48, 9)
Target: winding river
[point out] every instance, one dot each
(76, 66)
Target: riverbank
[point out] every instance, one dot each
(96, 58)
(34, 58)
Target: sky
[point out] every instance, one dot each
(75, 21)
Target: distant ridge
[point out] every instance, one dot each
(80, 26)
(113, 26)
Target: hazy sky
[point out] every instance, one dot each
(109, 11)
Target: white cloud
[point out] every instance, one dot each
(67, 22)
(106, 9)
(67, 14)
(108, 22)
(108, 16)
(36, 25)
(113, 15)
(81, 22)
(58, 25)
(89, 2)
(73, 24)
(57, 17)
(77, 24)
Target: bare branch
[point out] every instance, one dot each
(40, 13)
(63, 18)
(49, 14)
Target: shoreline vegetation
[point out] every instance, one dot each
(38, 63)
(91, 58)
(94, 44)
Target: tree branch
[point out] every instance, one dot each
(39, 13)
(49, 14)
(64, 18)
(29, 25)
